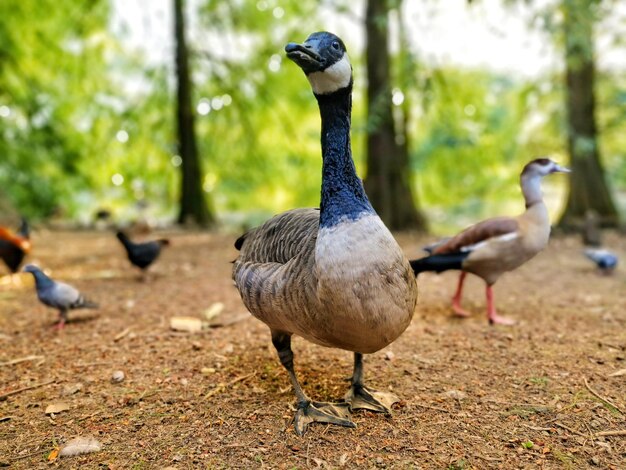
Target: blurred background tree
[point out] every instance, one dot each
(588, 190)
(88, 92)
(388, 181)
(193, 206)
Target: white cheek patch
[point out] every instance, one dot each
(334, 78)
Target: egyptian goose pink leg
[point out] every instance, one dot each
(456, 300)
(494, 318)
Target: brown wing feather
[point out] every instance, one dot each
(478, 233)
(281, 238)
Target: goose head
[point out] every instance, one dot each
(542, 167)
(324, 60)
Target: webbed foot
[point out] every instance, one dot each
(330, 413)
(362, 397)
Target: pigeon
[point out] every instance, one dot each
(58, 295)
(144, 254)
(604, 259)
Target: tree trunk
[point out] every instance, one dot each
(193, 207)
(388, 181)
(588, 189)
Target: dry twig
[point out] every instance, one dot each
(21, 359)
(121, 335)
(4, 396)
(432, 408)
(561, 425)
(600, 397)
(222, 386)
(536, 428)
(621, 432)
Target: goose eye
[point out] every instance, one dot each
(335, 45)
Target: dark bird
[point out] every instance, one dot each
(494, 246)
(335, 275)
(15, 246)
(143, 254)
(605, 260)
(58, 295)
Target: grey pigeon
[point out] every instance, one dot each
(58, 295)
(604, 259)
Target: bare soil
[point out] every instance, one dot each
(540, 394)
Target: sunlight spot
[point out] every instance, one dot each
(274, 64)
(117, 179)
(176, 160)
(278, 12)
(122, 136)
(209, 182)
(397, 97)
(227, 100)
(217, 103)
(204, 107)
(5, 111)
(262, 5)
(470, 110)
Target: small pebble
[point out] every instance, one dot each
(117, 376)
(184, 382)
(389, 355)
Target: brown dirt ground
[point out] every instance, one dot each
(220, 399)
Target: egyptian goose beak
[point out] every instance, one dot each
(560, 169)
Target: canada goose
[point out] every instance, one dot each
(494, 246)
(58, 295)
(334, 275)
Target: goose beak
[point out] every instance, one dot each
(306, 56)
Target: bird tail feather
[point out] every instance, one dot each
(83, 302)
(438, 263)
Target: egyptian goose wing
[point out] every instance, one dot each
(478, 233)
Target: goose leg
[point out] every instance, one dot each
(494, 318)
(360, 396)
(308, 411)
(456, 300)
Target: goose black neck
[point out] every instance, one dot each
(343, 197)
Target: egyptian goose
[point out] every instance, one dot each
(494, 246)
(335, 275)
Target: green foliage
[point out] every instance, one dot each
(475, 133)
(73, 94)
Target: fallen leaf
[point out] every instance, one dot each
(213, 311)
(188, 324)
(456, 394)
(57, 408)
(80, 445)
(71, 389)
(53, 454)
